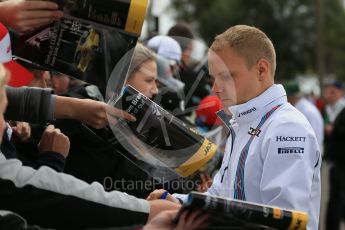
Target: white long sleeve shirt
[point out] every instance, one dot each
(44, 197)
(314, 117)
(281, 166)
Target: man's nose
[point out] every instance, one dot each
(215, 88)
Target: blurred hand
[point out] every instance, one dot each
(38, 82)
(163, 221)
(98, 114)
(205, 183)
(21, 131)
(53, 140)
(156, 206)
(157, 194)
(25, 15)
(328, 129)
(41, 78)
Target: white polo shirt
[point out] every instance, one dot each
(314, 117)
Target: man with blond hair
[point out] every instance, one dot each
(272, 156)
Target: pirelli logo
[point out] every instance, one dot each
(290, 150)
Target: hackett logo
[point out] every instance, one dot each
(290, 150)
(247, 112)
(282, 138)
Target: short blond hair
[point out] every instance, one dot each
(249, 42)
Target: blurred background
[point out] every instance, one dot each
(307, 34)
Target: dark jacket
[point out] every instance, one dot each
(34, 105)
(336, 144)
(51, 159)
(57, 200)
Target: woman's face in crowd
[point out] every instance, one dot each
(144, 79)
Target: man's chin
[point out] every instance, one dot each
(227, 103)
(227, 111)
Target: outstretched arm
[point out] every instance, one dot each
(24, 15)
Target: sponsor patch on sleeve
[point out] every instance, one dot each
(291, 150)
(290, 145)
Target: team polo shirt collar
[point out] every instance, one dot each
(257, 107)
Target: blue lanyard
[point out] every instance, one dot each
(239, 179)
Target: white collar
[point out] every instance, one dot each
(258, 106)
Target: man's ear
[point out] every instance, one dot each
(262, 68)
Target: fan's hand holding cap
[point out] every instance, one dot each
(20, 76)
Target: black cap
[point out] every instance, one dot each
(335, 83)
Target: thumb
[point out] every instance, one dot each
(50, 127)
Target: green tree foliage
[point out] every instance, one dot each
(334, 41)
(290, 24)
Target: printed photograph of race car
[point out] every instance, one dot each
(87, 45)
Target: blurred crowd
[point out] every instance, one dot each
(326, 115)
